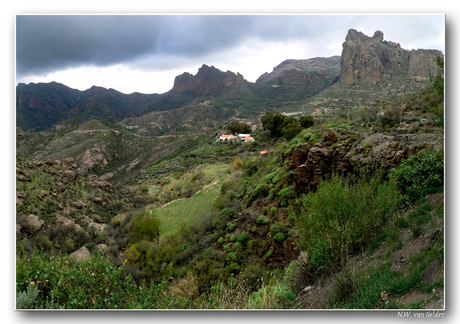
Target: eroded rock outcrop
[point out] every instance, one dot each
(313, 163)
(365, 60)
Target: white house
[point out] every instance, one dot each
(247, 139)
(227, 138)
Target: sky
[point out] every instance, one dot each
(144, 53)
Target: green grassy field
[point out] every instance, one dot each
(186, 211)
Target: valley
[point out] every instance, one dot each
(132, 202)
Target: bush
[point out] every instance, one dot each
(343, 216)
(93, 283)
(420, 175)
(145, 227)
(220, 240)
(262, 220)
(243, 237)
(279, 237)
(231, 226)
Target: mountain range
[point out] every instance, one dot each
(212, 97)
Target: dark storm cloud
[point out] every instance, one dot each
(49, 43)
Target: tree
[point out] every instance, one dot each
(273, 121)
(306, 121)
(290, 127)
(236, 127)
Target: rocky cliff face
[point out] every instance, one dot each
(365, 59)
(207, 80)
(313, 163)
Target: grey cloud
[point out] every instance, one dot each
(49, 43)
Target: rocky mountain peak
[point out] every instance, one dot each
(208, 80)
(365, 60)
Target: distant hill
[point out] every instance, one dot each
(299, 71)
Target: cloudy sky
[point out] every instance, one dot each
(144, 53)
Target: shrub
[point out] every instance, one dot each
(233, 238)
(273, 211)
(145, 227)
(231, 226)
(243, 237)
(420, 175)
(279, 237)
(262, 220)
(272, 297)
(228, 247)
(26, 299)
(220, 240)
(343, 216)
(254, 229)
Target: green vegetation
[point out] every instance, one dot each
(343, 216)
(420, 175)
(280, 125)
(219, 226)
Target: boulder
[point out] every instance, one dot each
(101, 246)
(67, 222)
(34, 224)
(69, 174)
(23, 178)
(330, 136)
(78, 204)
(80, 254)
(69, 164)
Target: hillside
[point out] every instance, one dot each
(340, 208)
(257, 226)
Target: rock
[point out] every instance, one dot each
(330, 136)
(98, 219)
(18, 229)
(34, 224)
(433, 272)
(69, 164)
(80, 254)
(18, 170)
(78, 204)
(69, 174)
(312, 164)
(299, 155)
(104, 185)
(365, 59)
(60, 186)
(97, 200)
(67, 222)
(101, 246)
(99, 227)
(23, 178)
